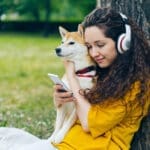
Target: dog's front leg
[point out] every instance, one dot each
(68, 123)
(60, 117)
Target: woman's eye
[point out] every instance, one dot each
(100, 45)
(71, 43)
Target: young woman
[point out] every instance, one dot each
(110, 113)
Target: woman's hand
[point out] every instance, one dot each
(70, 68)
(61, 97)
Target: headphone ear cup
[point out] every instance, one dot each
(120, 43)
(124, 40)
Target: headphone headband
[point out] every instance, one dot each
(124, 18)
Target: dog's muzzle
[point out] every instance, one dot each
(58, 51)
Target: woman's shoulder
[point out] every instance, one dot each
(132, 96)
(135, 90)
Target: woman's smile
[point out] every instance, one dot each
(100, 60)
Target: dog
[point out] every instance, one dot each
(73, 49)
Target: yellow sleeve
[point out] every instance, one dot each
(103, 118)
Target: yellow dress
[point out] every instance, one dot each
(111, 124)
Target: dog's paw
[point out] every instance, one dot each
(55, 139)
(51, 139)
(58, 138)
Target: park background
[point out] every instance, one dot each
(28, 37)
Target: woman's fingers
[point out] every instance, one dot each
(59, 101)
(57, 87)
(61, 97)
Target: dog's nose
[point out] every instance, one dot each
(58, 50)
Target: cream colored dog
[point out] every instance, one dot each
(73, 49)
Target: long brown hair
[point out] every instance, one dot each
(133, 65)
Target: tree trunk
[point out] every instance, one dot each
(103, 3)
(141, 139)
(133, 8)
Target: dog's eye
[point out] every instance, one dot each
(71, 43)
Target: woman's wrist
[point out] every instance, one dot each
(70, 74)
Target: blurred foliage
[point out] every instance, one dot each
(45, 10)
(71, 9)
(5, 5)
(50, 10)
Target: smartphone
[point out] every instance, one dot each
(55, 78)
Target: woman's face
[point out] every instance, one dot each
(101, 48)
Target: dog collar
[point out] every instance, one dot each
(85, 76)
(84, 72)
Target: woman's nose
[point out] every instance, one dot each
(94, 52)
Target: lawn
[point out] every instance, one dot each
(25, 89)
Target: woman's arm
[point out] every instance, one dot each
(82, 104)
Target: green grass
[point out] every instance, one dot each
(25, 89)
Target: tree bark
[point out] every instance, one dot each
(103, 3)
(141, 140)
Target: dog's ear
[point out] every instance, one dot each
(62, 31)
(80, 30)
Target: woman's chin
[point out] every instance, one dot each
(103, 65)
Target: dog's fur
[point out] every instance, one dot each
(73, 49)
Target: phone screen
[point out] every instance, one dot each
(57, 80)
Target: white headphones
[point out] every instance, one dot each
(124, 40)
